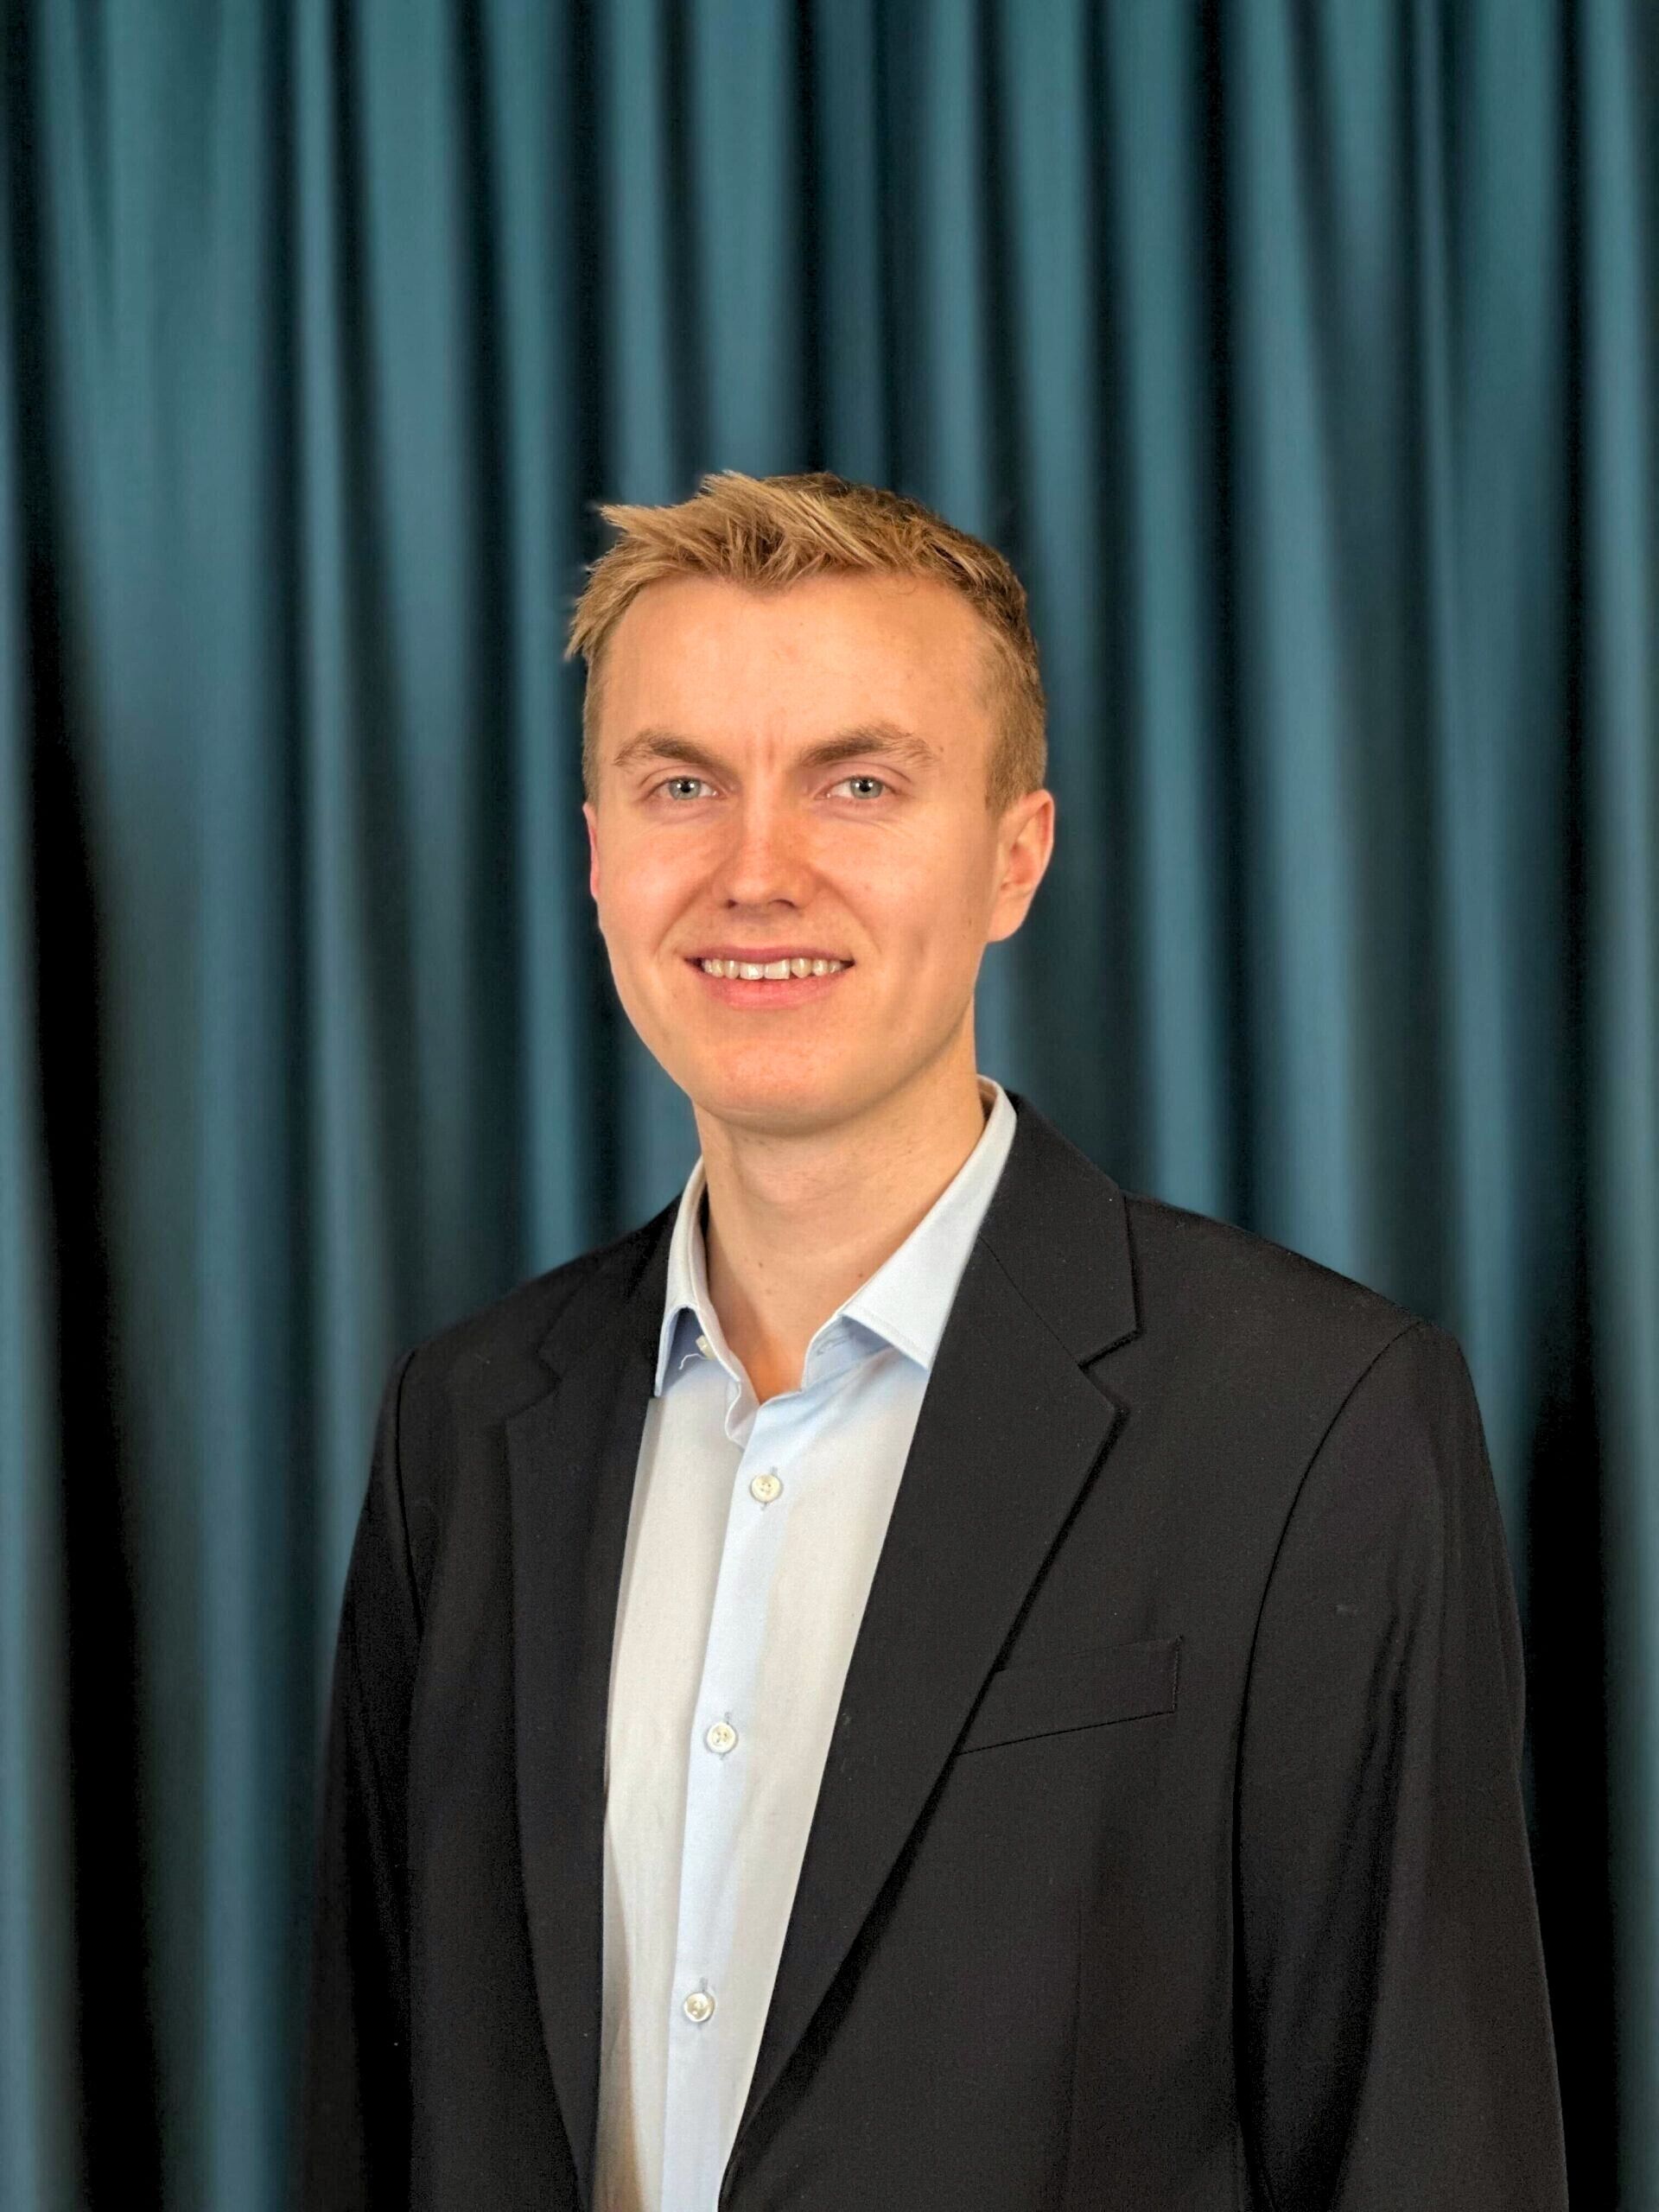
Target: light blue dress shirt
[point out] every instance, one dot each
(753, 1538)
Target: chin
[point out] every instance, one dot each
(774, 1096)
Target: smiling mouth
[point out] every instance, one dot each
(753, 987)
(778, 971)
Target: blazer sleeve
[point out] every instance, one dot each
(1396, 2045)
(352, 2137)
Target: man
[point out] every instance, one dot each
(919, 1677)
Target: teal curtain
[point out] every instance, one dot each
(1302, 358)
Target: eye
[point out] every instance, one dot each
(680, 779)
(859, 777)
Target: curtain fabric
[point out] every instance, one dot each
(1304, 362)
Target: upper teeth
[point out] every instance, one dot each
(777, 970)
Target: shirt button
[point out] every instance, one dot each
(720, 1736)
(698, 2006)
(767, 1487)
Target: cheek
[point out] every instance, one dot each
(642, 892)
(928, 913)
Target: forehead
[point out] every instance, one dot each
(700, 652)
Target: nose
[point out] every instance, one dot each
(765, 858)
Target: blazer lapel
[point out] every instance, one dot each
(571, 1455)
(1011, 1430)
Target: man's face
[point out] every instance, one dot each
(717, 833)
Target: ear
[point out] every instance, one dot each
(591, 819)
(1026, 843)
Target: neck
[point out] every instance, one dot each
(794, 1224)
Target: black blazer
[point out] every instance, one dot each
(1170, 1850)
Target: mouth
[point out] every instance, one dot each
(752, 991)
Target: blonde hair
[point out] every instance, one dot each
(767, 531)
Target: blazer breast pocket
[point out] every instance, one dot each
(1084, 1690)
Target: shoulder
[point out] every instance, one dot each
(491, 1351)
(1277, 1338)
(461, 1382)
(1203, 1270)
(1314, 1367)
(1181, 1300)
(1340, 1423)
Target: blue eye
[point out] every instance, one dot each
(670, 784)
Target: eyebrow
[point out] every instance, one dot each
(879, 740)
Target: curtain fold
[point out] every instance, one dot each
(1303, 360)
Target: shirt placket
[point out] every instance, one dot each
(717, 1790)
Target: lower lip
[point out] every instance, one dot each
(756, 997)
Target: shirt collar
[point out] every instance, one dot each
(906, 1303)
